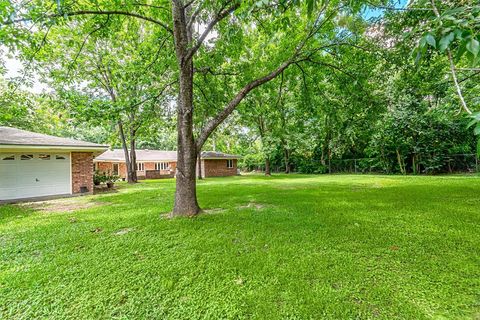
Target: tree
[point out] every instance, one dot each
(266, 28)
(110, 78)
(451, 28)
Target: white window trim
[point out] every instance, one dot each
(71, 173)
(162, 166)
(140, 166)
(230, 163)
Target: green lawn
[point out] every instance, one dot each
(295, 247)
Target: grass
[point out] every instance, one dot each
(290, 247)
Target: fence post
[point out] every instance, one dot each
(355, 165)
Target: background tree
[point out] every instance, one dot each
(119, 79)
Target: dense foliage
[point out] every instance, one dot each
(381, 91)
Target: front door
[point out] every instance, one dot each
(115, 169)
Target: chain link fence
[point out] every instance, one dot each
(455, 163)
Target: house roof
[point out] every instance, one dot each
(158, 155)
(142, 155)
(21, 138)
(218, 155)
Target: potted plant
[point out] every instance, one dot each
(98, 178)
(110, 180)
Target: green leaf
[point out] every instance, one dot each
(473, 46)
(458, 33)
(477, 129)
(430, 39)
(471, 123)
(310, 6)
(461, 50)
(422, 42)
(445, 41)
(418, 56)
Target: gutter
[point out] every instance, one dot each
(55, 147)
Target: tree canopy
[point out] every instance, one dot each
(291, 85)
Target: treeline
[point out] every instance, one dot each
(388, 104)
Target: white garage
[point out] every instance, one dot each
(28, 174)
(34, 165)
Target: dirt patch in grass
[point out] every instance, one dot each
(252, 205)
(61, 205)
(213, 210)
(123, 231)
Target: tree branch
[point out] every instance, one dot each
(219, 17)
(150, 6)
(194, 15)
(452, 65)
(155, 96)
(85, 41)
(205, 70)
(101, 12)
(222, 115)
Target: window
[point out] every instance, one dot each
(95, 166)
(140, 166)
(115, 169)
(229, 163)
(9, 157)
(26, 156)
(59, 157)
(161, 166)
(44, 156)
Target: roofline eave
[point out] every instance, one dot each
(49, 147)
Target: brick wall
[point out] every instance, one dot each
(151, 173)
(104, 166)
(155, 174)
(218, 168)
(107, 167)
(122, 170)
(82, 171)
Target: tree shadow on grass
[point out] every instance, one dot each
(9, 211)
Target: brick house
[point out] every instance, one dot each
(157, 164)
(37, 165)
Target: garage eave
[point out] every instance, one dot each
(51, 148)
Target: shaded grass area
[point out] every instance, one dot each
(293, 247)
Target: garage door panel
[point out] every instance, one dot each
(8, 178)
(34, 177)
(8, 193)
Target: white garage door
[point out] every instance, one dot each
(25, 175)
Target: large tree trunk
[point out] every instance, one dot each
(187, 148)
(199, 164)
(186, 192)
(133, 159)
(133, 153)
(400, 163)
(267, 167)
(287, 160)
(125, 150)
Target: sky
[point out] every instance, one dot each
(376, 13)
(14, 69)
